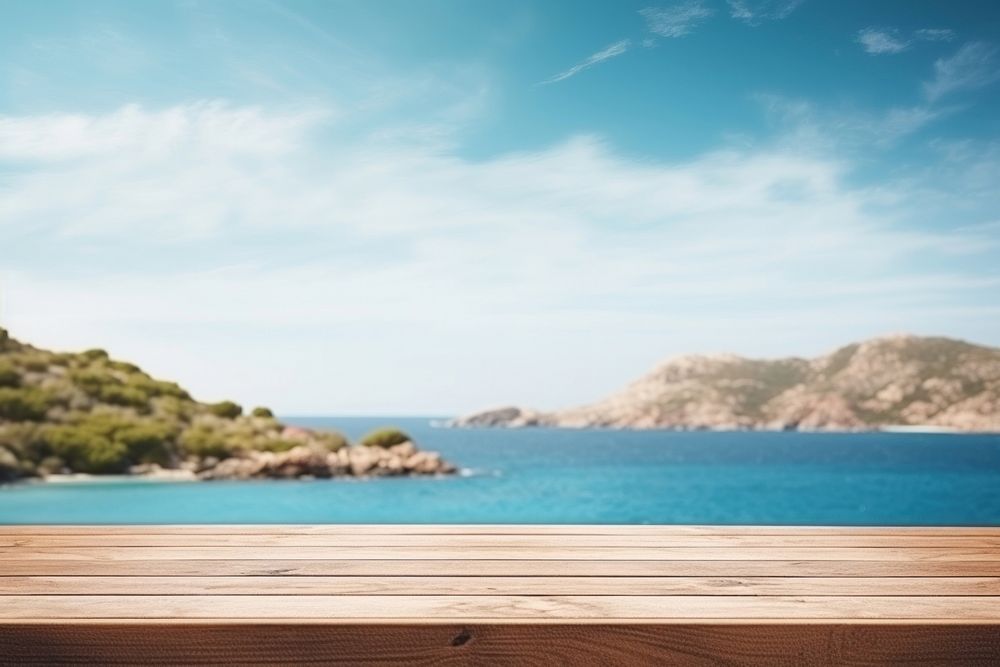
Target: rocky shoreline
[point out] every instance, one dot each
(305, 461)
(302, 462)
(312, 459)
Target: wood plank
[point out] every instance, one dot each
(915, 554)
(444, 608)
(488, 529)
(498, 541)
(484, 585)
(684, 645)
(499, 595)
(489, 567)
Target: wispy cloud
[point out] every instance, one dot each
(935, 34)
(889, 40)
(677, 20)
(972, 66)
(616, 49)
(818, 129)
(165, 238)
(881, 41)
(824, 129)
(217, 127)
(755, 12)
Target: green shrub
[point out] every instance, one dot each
(124, 366)
(24, 404)
(147, 441)
(384, 437)
(91, 380)
(136, 391)
(62, 358)
(108, 443)
(331, 440)
(156, 387)
(36, 363)
(94, 354)
(9, 377)
(226, 409)
(87, 448)
(99, 455)
(262, 412)
(123, 395)
(172, 408)
(274, 445)
(204, 440)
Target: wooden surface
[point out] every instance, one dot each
(499, 594)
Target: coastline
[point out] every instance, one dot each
(87, 478)
(887, 428)
(906, 428)
(300, 463)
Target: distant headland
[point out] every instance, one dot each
(68, 414)
(891, 383)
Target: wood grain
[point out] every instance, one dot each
(509, 567)
(906, 554)
(575, 595)
(546, 608)
(429, 585)
(500, 542)
(525, 645)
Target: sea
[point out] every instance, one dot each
(590, 476)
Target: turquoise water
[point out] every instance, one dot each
(592, 476)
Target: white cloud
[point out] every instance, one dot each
(889, 40)
(616, 49)
(972, 66)
(676, 20)
(209, 126)
(174, 174)
(756, 12)
(935, 34)
(813, 128)
(881, 41)
(378, 276)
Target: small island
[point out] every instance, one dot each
(63, 415)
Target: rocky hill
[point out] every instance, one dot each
(880, 383)
(85, 412)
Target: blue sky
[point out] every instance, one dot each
(432, 207)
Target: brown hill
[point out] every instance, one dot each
(885, 382)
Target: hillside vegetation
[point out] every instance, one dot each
(884, 382)
(88, 413)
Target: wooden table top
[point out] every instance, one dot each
(499, 594)
(430, 574)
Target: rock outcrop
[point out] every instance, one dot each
(881, 383)
(305, 462)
